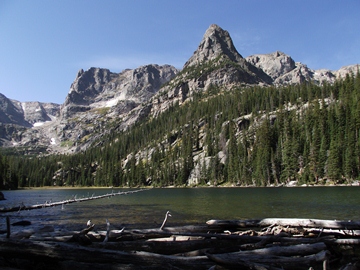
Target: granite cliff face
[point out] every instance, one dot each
(11, 112)
(16, 118)
(101, 102)
(217, 47)
(284, 70)
(97, 88)
(26, 113)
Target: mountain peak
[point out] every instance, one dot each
(214, 43)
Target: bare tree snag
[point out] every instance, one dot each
(166, 217)
(107, 231)
(82, 236)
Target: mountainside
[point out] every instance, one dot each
(101, 102)
(264, 120)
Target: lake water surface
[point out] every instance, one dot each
(187, 205)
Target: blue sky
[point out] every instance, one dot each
(44, 43)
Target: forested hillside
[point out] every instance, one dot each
(258, 136)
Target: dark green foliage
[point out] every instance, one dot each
(246, 136)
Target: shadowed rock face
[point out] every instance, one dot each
(26, 113)
(11, 112)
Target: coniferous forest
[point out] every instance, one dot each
(258, 136)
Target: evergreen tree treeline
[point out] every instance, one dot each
(242, 136)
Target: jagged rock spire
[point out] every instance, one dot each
(215, 42)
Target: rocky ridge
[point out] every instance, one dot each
(284, 70)
(100, 101)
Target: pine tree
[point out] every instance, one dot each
(334, 161)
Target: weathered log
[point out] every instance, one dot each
(288, 250)
(347, 241)
(186, 228)
(312, 223)
(294, 222)
(23, 234)
(96, 266)
(63, 251)
(41, 238)
(272, 260)
(234, 223)
(170, 247)
(335, 232)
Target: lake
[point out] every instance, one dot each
(187, 205)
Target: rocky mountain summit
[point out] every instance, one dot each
(284, 70)
(100, 102)
(217, 47)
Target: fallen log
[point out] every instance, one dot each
(234, 223)
(288, 250)
(294, 222)
(347, 241)
(312, 223)
(55, 253)
(178, 248)
(335, 232)
(61, 203)
(283, 262)
(186, 228)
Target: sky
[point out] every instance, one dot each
(44, 43)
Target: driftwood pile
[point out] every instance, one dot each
(218, 244)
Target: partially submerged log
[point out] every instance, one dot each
(61, 203)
